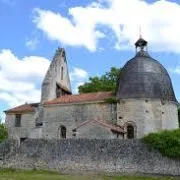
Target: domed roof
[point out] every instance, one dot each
(144, 77)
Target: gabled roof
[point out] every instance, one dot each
(87, 97)
(23, 108)
(113, 127)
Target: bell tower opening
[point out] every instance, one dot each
(141, 45)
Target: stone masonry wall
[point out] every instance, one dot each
(53, 76)
(149, 115)
(27, 125)
(97, 156)
(72, 115)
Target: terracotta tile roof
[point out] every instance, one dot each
(23, 108)
(86, 97)
(114, 127)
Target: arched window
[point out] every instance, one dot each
(130, 132)
(63, 132)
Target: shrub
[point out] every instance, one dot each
(166, 142)
(179, 115)
(3, 133)
(111, 100)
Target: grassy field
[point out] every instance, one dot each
(43, 175)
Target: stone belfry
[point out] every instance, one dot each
(56, 82)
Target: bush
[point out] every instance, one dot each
(166, 142)
(179, 115)
(3, 133)
(111, 100)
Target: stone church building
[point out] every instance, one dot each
(144, 102)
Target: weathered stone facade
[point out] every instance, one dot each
(72, 115)
(57, 74)
(144, 104)
(147, 115)
(87, 155)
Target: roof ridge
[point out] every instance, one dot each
(103, 123)
(85, 97)
(86, 93)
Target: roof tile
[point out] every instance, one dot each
(86, 97)
(23, 108)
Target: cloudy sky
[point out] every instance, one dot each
(96, 34)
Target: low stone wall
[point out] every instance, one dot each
(82, 155)
(7, 147)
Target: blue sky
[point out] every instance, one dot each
(96, 34)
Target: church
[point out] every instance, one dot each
(144, 102)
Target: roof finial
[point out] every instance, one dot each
(140, 43)
(140, 34)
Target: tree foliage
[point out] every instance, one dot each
(106, 82)
(179, 115)
(3, 133)
(166, 142)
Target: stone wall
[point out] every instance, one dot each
(68, 115)
(72, 115)
(148, 115)
(94, 130)
(53, 76)
(7, 147)
(27, 125)
(97, 156)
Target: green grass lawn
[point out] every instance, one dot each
(43, 175)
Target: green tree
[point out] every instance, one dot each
(179, 115)
(3, 133)
(106, 82)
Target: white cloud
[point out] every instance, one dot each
(12, 101)
(124, 17)
(78, 77)
(32, 43)
(78, 74)
(30, 68)
(75, 89)
(176, 70)
(19, 77)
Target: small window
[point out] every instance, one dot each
(18, 120)
(63, 132)
(130, 132)
(22, 139)
(39, 124)
(62, 73)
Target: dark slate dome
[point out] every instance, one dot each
(144, 77)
